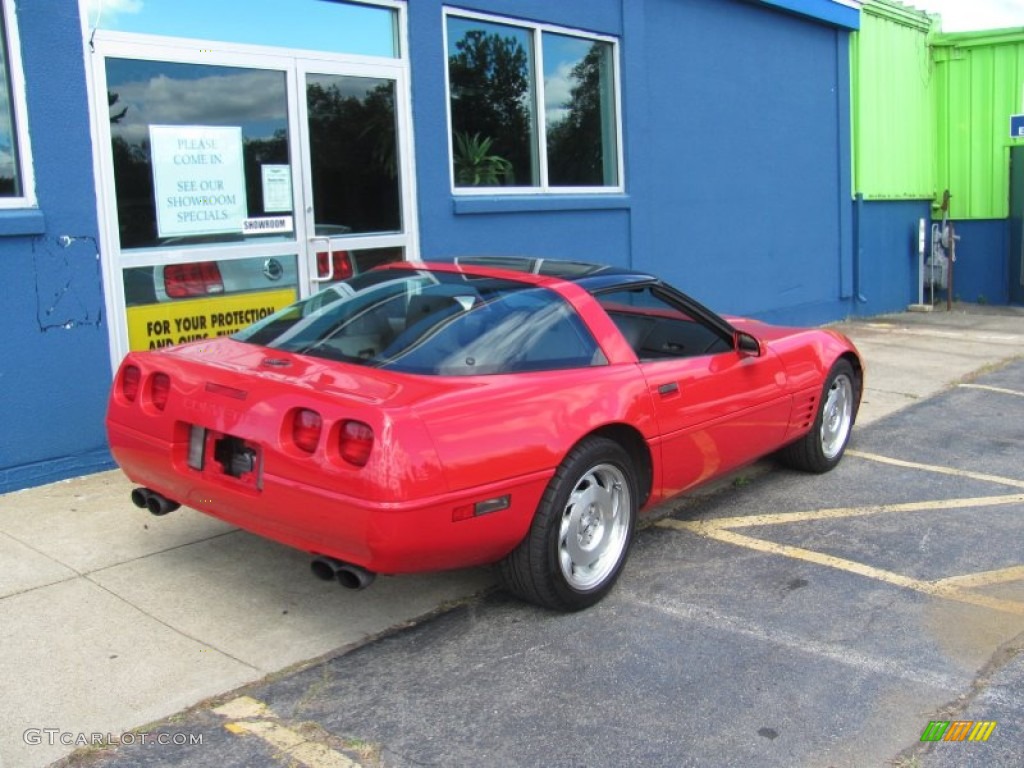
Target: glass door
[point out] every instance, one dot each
(356, 181)
(199, 196)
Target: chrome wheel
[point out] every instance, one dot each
(822, 447)
(595, 527)
(836, 416)
(579, 539)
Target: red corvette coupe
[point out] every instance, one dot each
(429, 416)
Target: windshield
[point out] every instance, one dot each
(433, 323)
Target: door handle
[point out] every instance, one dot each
(672, 388)
(315, 276)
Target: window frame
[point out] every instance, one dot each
(19, 113)
(536, 31)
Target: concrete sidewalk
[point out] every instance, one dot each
(111, 618)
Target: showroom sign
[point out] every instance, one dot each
(198, 179)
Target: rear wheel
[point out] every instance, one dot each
(580, 535)
(822, 448)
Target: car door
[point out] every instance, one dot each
(717, 407)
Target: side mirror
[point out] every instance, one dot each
(746, 345)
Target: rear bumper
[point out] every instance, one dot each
(384, 537)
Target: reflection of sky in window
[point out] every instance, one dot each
(561, 55)
(183, 94)
(323, 25)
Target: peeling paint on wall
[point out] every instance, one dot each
(67, 275)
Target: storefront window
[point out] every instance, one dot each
(579, 109)
(497, 90)
(194, 164)
(491, 76)
(354, 154)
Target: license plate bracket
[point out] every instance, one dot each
(236, 457)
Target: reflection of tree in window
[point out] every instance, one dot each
(352, 137)
(134, 179)
(580, 152)
(489, 76)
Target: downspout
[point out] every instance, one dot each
(858, 217)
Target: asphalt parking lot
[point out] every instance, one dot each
(782, 620)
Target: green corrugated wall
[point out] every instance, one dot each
(980, 83)
(894, 135)
(932, 111)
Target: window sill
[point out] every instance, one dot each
(22, 221)
(530, 203)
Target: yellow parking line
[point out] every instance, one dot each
(986, 578)
(987, 388)
(1012, 482)
(746, 521)
(947, 591)
(254, 717)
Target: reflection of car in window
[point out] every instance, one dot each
(197, 279)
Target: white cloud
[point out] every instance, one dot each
(971, 15)
(558, 92)
(109, 8)
(217, 100)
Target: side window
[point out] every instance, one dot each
(16, 187)
(657, 328)
(532, 107)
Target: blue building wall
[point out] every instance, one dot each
(736, 140)
(55, 368)
(885, 253)
(886, 269)
(737, 174)
(742, 179)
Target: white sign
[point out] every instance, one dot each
(198, 178)
(277, 188)
(267, 224)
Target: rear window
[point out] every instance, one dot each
(433, 323)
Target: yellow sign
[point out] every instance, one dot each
(174, 322)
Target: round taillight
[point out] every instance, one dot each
(161, 389)
(355, 442)
(130, 378)
(306, 426)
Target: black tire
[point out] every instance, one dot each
(580, 535)
(821, 449)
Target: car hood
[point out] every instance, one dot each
(774, 333)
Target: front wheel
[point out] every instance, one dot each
(580, 535)
(822, 448)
